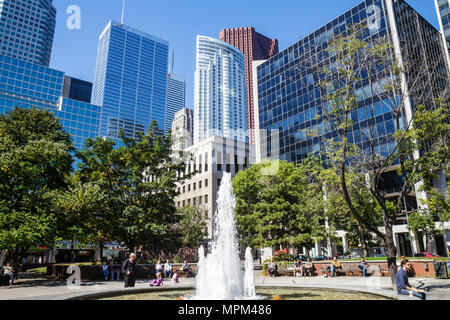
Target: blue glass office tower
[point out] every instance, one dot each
(289, 98)
(27, 85)
(130, 80)
(26, 30)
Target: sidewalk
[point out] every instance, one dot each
(39, 288)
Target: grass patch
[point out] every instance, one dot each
(38, 270)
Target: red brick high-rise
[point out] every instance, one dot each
(255, 46)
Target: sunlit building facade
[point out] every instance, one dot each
(220, 93)
(289, 99)
(130, 81)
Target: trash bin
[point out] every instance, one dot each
(441, 269)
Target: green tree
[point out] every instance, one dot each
(83, 219)
(35, 159)
(281, 209)
(190, 230)
(338, 211)
(360, 69)
(139, 183)
(433, 128)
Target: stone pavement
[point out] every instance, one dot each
(36, 288)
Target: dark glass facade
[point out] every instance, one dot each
(289, 98)
(77, 89)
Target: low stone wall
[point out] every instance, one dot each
(420, 268)
(95, 273)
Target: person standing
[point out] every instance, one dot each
(403, 286)
(115, 270)
(158, 267)
(129, 271)
(168, 269)
(105, 269)
(9, 272)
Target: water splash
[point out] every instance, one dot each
(249, 280)
(220, 275)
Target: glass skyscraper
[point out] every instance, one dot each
(443, 10)
(220, 92)
(176, 98)
(27, 85)
(289, 98)
(130, 80)
(26, 30)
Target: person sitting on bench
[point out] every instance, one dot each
(334, 265)
(364, 266)
(309, 266)
(186, 269)
(273, 268)
(298, 268)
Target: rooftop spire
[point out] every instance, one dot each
(123, 12)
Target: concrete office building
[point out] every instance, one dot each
(183, 129)
(211, 158)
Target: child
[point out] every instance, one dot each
(175, 277)
(158, 282)
(105, 270)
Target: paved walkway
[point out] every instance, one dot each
(38, 288)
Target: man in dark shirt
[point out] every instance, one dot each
(403, 286)
(129, 271)
(298, 268)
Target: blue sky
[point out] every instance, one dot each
(179, 21)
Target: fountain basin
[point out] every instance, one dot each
(263, 292)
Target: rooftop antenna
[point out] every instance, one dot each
(173, 62)
(123, 11)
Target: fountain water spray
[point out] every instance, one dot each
(220, 275)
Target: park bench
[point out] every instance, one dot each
(286, 270)
(348, 269)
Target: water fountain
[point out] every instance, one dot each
(220, 276)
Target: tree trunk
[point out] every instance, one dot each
(390, 249)
(16, 257)
(362, 239)
(3, 254)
